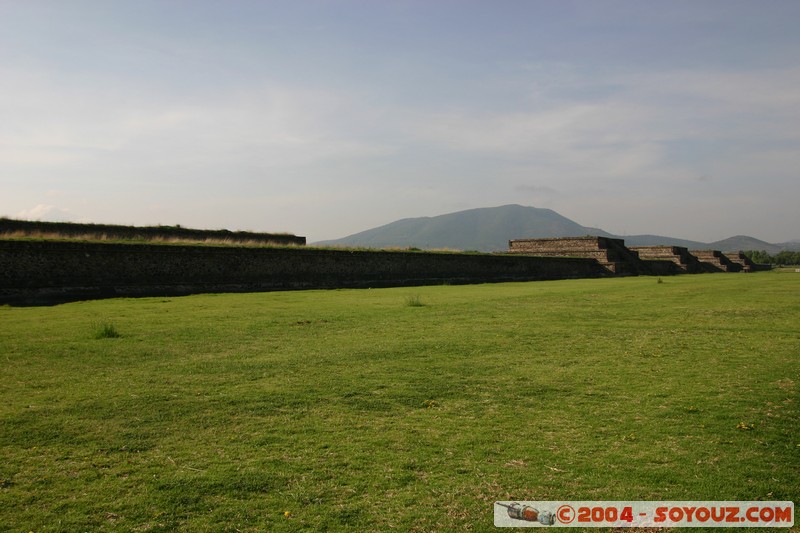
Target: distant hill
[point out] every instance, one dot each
(792, 246)
(489, 229)
(743, 242)
(484, 229)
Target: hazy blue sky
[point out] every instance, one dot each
(324, 118)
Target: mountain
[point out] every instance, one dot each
(743, 242)
(791, 246)
(489, 229)
(485, 229)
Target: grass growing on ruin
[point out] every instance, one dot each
(155, 240)
(350, 410)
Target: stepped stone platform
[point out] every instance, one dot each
(679, 255)
(747, 264)
(716, 261)
(611, 253)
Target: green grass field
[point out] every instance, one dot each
(411, 409)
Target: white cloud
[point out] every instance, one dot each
(566, 142)
(764, 89)
(51, 122)
(46, 212)
(630, 132)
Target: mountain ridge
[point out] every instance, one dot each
(488, 229)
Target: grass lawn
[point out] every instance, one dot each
(411, 408)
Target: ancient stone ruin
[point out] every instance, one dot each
(677, 254)
(611, 253)
(746, 263)
(716, 261)
(620, 260)
(81, 262)
(39, 272)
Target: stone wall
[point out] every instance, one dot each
(42, 272)
(611, 253)
(661, 267)
(144, 233)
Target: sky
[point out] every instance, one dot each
(326, 118)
